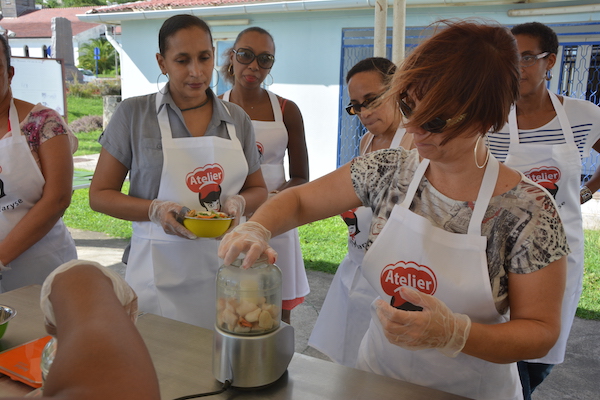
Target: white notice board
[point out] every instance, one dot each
(40, 80)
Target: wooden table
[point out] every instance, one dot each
(182, 356)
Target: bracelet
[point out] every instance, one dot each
(585, 194)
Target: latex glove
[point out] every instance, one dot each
(251, 238)
(434, 327)
(234, 206)
(124, 292)
(164, 213)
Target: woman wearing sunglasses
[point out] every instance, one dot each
(178, 145)
(344, 317)
(457, 239)
(279, 128)
(545, 138)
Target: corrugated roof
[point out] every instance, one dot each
(38, 23)
(174, 4)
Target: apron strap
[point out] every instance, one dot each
(483, 198)
(490, 177)
(414, 183)
(400, 132)
(565, 125)
(13, 118)
(563, 120)
(277, 113)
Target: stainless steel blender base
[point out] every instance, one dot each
(252, 361)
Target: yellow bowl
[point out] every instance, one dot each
(207, 227)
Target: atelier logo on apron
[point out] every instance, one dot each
(261, 151)
(547, 177)
(206, 181)
(351, 220)
(402, 273)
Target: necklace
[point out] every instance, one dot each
(193, 108)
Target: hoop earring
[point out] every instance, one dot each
(157, 79)
(487, 157)
(230, 70)
(548, 74)
(218, 79)
(272, 80)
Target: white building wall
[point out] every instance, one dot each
(308, 53)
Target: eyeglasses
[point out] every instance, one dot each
(354, 109)
(246, 56)
(530, 59)
(436, 125)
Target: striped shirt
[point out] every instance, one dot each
(584, 117)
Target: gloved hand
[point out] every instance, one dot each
(434, 327)
(234, 206)
(123, 291)
(251, 238)
(163, 213)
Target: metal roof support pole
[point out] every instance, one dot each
(380, 34)
(399, 35)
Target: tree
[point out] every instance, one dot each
(107, 55)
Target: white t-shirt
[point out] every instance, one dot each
(584, 117)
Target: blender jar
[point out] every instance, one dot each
(249, 300)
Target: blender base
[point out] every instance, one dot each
(252, 361)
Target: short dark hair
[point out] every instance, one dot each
(4, 41)
(546, 37)
(385, 67)
(176, 23)
(226, 61)
(468, 67)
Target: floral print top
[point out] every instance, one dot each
(41, 124)
(523, 229)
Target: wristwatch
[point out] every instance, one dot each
(585, 194)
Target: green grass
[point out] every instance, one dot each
(324, 244)
(79, 215)
(78, 107)
(589, 303)
(88, 143)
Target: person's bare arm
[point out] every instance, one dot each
(57, 168)
(101, 355)
(534, 326)
(297, 152)
(594, 182)
(105, 191)
(254, 191)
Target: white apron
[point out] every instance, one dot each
(172, 276)
(452, 267)
(344, 317)
(272, 142)
(557, 168)
(22, 186)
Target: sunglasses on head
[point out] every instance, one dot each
(436, 125)
(354, 109)
(246, 56)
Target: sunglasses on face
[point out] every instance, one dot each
(246, 56)
(529, 60)
(354, 109)
(436, 125)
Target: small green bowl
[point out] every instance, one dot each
(6, 314)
